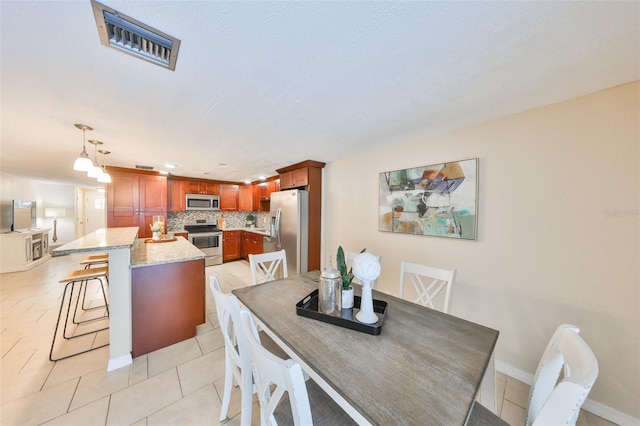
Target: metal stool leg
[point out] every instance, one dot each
(83, 290)
(69, 288)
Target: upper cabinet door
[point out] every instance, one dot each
(229, 198)
(176, 195)
(245, 198)
(153, 193)
(122, 195)
(295, 178)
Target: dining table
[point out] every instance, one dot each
(425, 366)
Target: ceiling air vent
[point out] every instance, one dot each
(144, 167)
(135, 38)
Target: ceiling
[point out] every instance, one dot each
(262, 85)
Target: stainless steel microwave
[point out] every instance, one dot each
(202, 202)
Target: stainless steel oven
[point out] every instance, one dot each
(207, 237)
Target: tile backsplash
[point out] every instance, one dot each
(233, 219)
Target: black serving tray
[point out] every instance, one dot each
(308, 307)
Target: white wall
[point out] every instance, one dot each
(45, 195)
(558, 236)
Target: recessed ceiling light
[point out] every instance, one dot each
(170, 165)
(262, 177)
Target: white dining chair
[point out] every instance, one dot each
(559, 402)
(237, 364)
(268, 266)
(553, 401)
(429, 283)
(305, 403)
(349, 256)
(237, 356)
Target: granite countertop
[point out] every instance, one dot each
(144, 254)
(100, 240)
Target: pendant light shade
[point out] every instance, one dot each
(105, 177)
(95, 171)
(83, 163)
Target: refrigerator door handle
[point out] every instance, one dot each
(278, 228)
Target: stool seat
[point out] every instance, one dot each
(95, 259)
(85, 274)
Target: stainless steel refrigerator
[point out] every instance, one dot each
(290, 213)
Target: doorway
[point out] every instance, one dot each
(90, 211)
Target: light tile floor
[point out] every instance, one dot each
(178, 385)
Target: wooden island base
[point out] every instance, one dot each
(167, 303)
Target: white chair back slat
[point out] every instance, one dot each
(429, 283)
(267, 267)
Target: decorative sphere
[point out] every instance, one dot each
(366, 267)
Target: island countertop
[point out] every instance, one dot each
(144, 254)
(102, 239)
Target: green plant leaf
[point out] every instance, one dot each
(347, 276)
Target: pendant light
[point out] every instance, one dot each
(95, 171)
(83, 163)
(105, 177)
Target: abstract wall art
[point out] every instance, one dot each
(437, 200)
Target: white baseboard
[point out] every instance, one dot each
(590, 405)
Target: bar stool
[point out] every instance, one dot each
(88, 262)
(81, 277)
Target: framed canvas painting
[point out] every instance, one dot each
(437, 200)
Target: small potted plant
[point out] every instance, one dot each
(250, 219)
(347, 277)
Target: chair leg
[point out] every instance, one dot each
(71, 285)
(488, 387)
(55, 331)
(84, 295)
(83, 290)
(228, 383)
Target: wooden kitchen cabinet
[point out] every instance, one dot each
(201, 187)
(229, 198)
(176, 195)
(294, 178)
(262, 194)
(134, 198)
(245, 198)
(231, 245)
(252, 243)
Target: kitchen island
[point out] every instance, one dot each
(126, 254)
(167, 293)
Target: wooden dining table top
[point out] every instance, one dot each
(425, 367)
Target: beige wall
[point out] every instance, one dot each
(558, 230)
